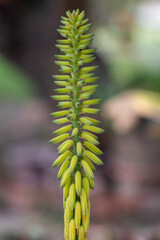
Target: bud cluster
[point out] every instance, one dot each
(78, 151)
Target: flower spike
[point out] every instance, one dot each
(77, 150)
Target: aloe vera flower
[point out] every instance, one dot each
(78, 149)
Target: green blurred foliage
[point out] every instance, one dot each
(131, 64)
(128, 75)
(14, 83)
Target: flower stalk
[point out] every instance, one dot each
(78, 151)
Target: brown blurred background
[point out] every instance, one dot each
(126, 201)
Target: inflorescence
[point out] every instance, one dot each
(78, 150)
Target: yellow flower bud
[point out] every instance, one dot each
(89, 138)
(60, 97)
(81, 234)
(79, 148)
(61, 158)
(89, 88)
(91, 102)
(85, 185)
(63, 168)
(92, 148)
(61, 120)
(78, 179)
(72, 196)
(62, 83)
(87, 169)
(93, 129)
(63, 129)
(60, 138)
(90, 110)
(83, 199)
(72, 230)
(77, 214)
(74, 132)
(60, 113)
(68, 211)
(91, 80)
(91, 182)
(93, 121)
(73, 163)
(93, 157)
(85, 121)
(89, 163)
(66, 189)
(61, 77)
(65, 104)
(86, 223)
(65, 178)
(65, 146)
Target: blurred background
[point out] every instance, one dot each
(126, 201)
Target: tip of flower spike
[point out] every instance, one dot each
(68, 13)
(77, 11)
